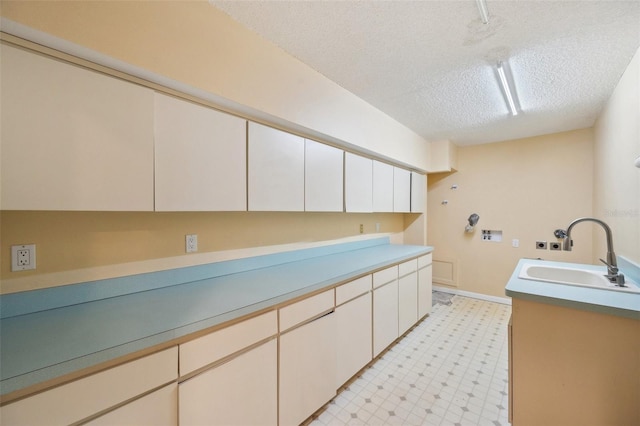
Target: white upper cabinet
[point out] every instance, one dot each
(358, 181)
(401, 190)
(382, 187)
(324, 184)
(276, 170)
(200, 157)
(418, 193)
(73, 139)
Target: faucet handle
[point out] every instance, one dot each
(608, 264)
(560, 233)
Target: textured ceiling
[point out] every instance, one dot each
(431, 64)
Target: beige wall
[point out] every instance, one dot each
(68, 241)
(194, 43)
(617, 181)
(526, 188)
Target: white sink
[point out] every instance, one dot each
(572, 276)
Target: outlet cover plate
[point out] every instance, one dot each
(191, 243)
(23, 257)
(555, 246)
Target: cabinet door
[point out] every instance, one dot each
(200, 158)
(242, 391)
(307, 369)
(324, 183)
(88, 396)
(418, 193)
(401, 190)
(407, 302)
(358, 182)
(424, 291)
(159, 408)
(382, 187)
(276, 170)
(385, 316)
(73, 139)
(353, 337)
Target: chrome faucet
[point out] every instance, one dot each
(613, 273)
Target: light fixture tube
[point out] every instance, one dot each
(508, 88)
(484, 12)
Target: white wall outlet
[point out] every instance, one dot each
(515, 243)
(191, 243)
(23, 257)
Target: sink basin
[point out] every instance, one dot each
(572, 276)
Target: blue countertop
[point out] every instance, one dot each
(58, 340)
(604, 301)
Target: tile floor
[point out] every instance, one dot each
(451, 369)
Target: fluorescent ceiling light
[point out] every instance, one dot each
(508, 88)
(484, 12)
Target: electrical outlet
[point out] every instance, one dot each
(191, 243)
(23, 257)
(361, 228)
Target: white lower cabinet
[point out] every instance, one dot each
(307, 369)
(159, 408)
(242, 391)
(407, 295)
(353, 336)
(424, 285)
(385, 316)
(82, 399)
(407, 302)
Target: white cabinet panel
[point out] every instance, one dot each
(306, 309)
(242, 391)
(200, 158)
(358, 181)
(353, 289)
(385, 275)
(159, 408)
(385, 316)
(401, 190)
(382, 187)
(324, 183)
(73, 139)
(405, 268)
(307, 369)
(418, 193)
(353, 337)
(214, 346)
(88, 396)
(276, 170)
(407, 302)
(424, 291)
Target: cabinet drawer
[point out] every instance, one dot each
(385, 276)
(424, 260)
(408, 267)
(159, 408)
(353, 289)
(210, 348)
(308, 308)
(85, 397)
